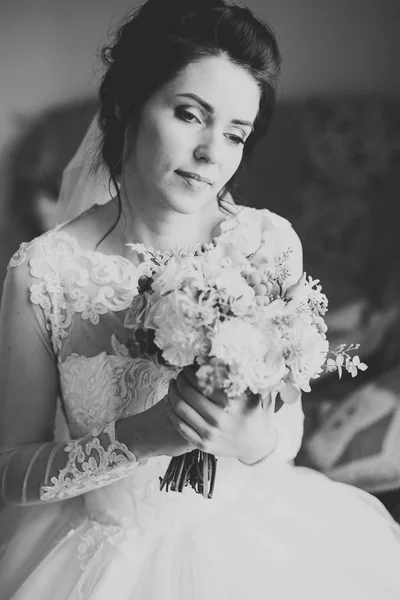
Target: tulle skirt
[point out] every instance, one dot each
(272, 532)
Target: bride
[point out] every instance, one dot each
(188, 91)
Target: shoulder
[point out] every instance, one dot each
(267, 225)
(285, 237)
(32, 277)
(267, 219)
(31, 252)
(30, 280)
(89, 227)
(39, 261)
(277, 233)
(66, 239)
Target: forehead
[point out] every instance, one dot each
(230, 89)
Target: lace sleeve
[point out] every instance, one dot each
(48, 471)
(32, 466)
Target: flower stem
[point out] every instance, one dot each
(205, 475)
(196, 468)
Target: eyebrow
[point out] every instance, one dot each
(211, 109)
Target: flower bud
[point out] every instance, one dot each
(144, 283)
(265, 279)
(269, 285)
(295, 289)
(275, 289)
(254, 278)
(260, 289)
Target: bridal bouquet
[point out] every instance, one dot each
(244, 329)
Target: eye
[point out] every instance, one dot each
(235, 139)
(189, 116)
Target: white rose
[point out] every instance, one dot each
(177, 272)
(176, 331)
(239, 294)
(250, 354)
(305, 352)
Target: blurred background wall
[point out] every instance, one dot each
(48, 52)
(331, 165)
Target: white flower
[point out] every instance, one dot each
(305, 352)
(203, 309)
(235, 290)
(317, 301)
(236, 340)
(253, 358)
(175, 273)
(224, 254)
(177, 334)
(298, 292)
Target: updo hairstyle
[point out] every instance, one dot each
(157, 41)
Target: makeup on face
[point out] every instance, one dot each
(191, 136)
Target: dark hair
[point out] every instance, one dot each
(157, 41)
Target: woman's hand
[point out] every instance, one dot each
(240, 429)
(153, 433)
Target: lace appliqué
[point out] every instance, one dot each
(92, 390)
(90, 466)
(92, 540)
(108, 387)
(20, 255)
(141, 374)
(72, 280)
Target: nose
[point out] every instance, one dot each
(209, 148)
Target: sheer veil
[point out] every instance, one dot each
(35, 529)
(81, 187)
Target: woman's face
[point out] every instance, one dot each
(190, 137)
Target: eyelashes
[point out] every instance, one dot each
(189, 116)
(186, 115)
(236, 139)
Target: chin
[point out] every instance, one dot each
(189, 203)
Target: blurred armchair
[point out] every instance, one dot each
(38, 158)
(331, 166)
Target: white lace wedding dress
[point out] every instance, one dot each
(99, 528)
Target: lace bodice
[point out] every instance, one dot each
(78, 300)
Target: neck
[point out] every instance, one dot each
(163, 229)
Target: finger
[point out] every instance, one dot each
(190, 374)
(181, 426)
(188, 413)
(218, 396)
(205, 407)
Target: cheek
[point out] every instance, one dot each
(148, 142)
(232, 164)
(162, 146)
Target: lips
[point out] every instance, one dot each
(195, 176)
